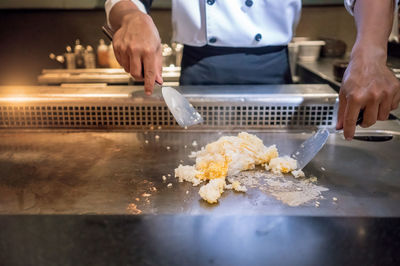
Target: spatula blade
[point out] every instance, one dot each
(310, 148)
(181, 109)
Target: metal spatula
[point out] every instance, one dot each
(310, 148)
(181, 109)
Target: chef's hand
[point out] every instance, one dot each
(137, 46)
(368, 85)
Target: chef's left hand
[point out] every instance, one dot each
(369, 85)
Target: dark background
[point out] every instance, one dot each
(28, 36)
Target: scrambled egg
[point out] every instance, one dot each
(282, 165)
(213, 190)
(228, 156)
(187, 173)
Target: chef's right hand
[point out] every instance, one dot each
(137, 47)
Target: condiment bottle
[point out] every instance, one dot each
(102, 54)
(78, 51)
(70, 62)
(89, 57)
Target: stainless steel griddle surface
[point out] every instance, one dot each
(78, 172)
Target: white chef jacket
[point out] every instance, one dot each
(232, 23)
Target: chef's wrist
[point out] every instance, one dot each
(128, 16)
(369, 52)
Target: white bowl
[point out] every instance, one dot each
(309, 50)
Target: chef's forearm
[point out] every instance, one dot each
(374, 21)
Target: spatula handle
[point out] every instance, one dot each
(360, 117)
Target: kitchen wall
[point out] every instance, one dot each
(28, 36)
(334, 22)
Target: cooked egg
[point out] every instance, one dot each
(228, 156)
(187, 173)
(282, 165)
(213, 190)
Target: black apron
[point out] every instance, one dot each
(210, 65)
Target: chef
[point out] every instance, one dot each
(245, 42)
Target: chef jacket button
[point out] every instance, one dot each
(249, 3)
(212, 40)
(258, 37)
(210, 2)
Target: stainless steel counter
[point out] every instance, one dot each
(97, 172)
(99, 75)
(87, 194)
(323, 69)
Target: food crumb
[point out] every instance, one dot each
(151, 128)
(157, 137)
(186, 127)
(185, 146)
(298, 173)
(187, 192)
(159, 127)
(146, 141)
(169, 175)
(334, 199)
(169, 185)
(168, 147)
(297, 153)
(137, 199)
(323, 169)
(194, 143)
(153, 189)
(164, 178)
(313, 179)
(132, 208)
(146, 195)
(193, 154)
